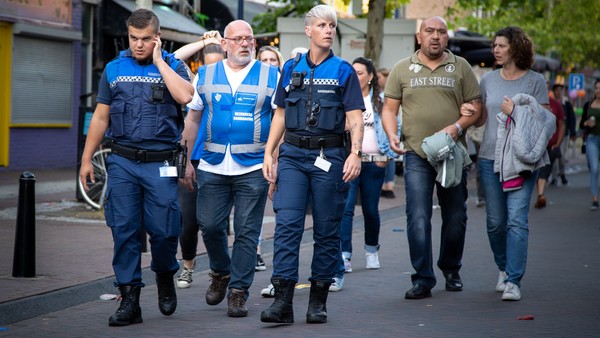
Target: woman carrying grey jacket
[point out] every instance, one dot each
(507, 212)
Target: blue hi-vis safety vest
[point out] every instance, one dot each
(242, 120)
(136, 119)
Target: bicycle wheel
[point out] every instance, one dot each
(94, 196)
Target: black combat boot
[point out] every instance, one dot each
(129, 312)
(317, 309)
(282, 310)
(167, 297)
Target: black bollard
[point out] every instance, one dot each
(24, 254)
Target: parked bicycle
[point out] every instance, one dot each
(95, 194)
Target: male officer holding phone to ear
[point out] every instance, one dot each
(138, 109)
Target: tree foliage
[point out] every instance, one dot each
(378, 11)
(564, 29)
(267, 22)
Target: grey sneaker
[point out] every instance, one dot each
(184, 280)
(511, 292)
(500, 286)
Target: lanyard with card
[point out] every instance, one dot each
(168, 170)
(322, 163)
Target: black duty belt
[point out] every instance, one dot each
(143, 155)
(314, 142)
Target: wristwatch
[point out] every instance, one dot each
(460, 130)
(358, 153)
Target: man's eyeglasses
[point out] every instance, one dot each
(239, 39)
(315, 109)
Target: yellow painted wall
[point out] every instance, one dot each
(5, 76)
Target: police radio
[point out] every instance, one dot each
(158, 92)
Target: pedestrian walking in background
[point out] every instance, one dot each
(474, 137)
(570, 131)
(209, 46)
(317, 93)
(553, 149)
(231, 111)
(269, 55)
(507, 211)
(433, 86)
(376, 153)
(387, 189)
(138, 106)
(591, 126)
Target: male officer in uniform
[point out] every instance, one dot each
(139, 99)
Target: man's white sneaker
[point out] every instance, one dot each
(511, 292)
(337, 285)
(184, 280)
(501, 278)
(269, 291)
(372, 260)
(347, 265)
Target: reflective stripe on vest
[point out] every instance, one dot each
(235, 148)
(261, 90)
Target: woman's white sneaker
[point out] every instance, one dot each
(501, 278)
(347, 265)
(269, 291)
(372, 260)
(511, 292)
(337, 285)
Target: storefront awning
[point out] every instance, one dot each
(173, 26)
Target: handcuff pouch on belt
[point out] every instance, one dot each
(347, 142)
(181, 160)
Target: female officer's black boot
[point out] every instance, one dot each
(167, 296)
(282, 310)
(317, 309)
(129, 312)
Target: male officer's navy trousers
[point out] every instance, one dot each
(135, 190)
